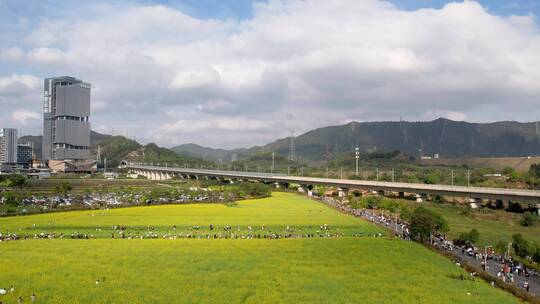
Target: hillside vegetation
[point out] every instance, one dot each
(445, 137)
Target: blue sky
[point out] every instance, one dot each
(500, 7)
(242, 9)
(230, 73)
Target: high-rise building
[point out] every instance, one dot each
(8, 146)
(66, 129)
(24, 154)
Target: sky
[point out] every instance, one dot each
(235, 73)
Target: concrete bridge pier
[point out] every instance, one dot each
(343, 192)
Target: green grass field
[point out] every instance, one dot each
(305, 270)
(365, 270)
(275, 213)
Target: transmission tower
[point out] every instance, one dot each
(98, 156)
(443, 130)
(292, 153)
(537, 128)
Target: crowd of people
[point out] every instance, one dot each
(20, 299)
(400, 228)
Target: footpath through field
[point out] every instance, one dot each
(401, 229)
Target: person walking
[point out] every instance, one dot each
(526, 285)
(33, 298)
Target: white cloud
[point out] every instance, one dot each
(46, 55)
(23, 117)
(11, 54)
(294, 65)
(193, 79)
(18, 84)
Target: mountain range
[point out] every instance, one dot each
(447, 138)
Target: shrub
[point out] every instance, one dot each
(373, 201)
(470, 237)
(63, 189)
(255, 189)
(474, 235)
(520, 245)
(501, 247)
(528, 219)
(405, 214)
(11, 200)
(536, 254)
(424, 222)
(534, 170)
(12, 180)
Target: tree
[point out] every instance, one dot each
(501, 247)
(12, 180)
(405, 214)
(520, 245)
(373, 201)
(63, 189)
(470, 237)
(534, 170)
(255, 189)
(536, 254)
(425, 222)
(10, 199)
(474, 235)
(528, 219)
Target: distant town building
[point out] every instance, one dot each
(24, 155)
(66, 127)
(8, 146)
(69, 166)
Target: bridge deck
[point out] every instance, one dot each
(458, 191)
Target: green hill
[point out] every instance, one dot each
(194, 150)
(118, 148)
(37, 140)
(449, 139)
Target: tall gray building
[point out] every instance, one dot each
(8, 146)
(66, 129)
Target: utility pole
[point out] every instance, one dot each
(105, 165)
(452, 172)
(393, 175)
(302, 172)
(377, 170)
(341, 172)
(468, 178)
(326, 171)
(288, 170)
(356, 156)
